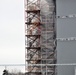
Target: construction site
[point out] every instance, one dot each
(46, 45)
(50, 34)
(40, 37)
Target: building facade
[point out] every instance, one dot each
(66, 31)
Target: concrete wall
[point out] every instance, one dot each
(66, 51)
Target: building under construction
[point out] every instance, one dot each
(40, 37)
(45, 55)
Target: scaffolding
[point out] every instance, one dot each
(40, 37)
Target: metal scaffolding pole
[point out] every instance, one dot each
(40, 37)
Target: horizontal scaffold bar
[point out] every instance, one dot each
(72, 64)
(68, 64)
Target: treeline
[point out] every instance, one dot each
(6, 72)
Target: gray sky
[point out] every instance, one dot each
(12, 38)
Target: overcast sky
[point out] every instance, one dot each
(12, 40)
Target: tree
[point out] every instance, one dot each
(5, 72)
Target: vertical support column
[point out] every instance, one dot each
(48, 36)
(33, 36)
(41, 36)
